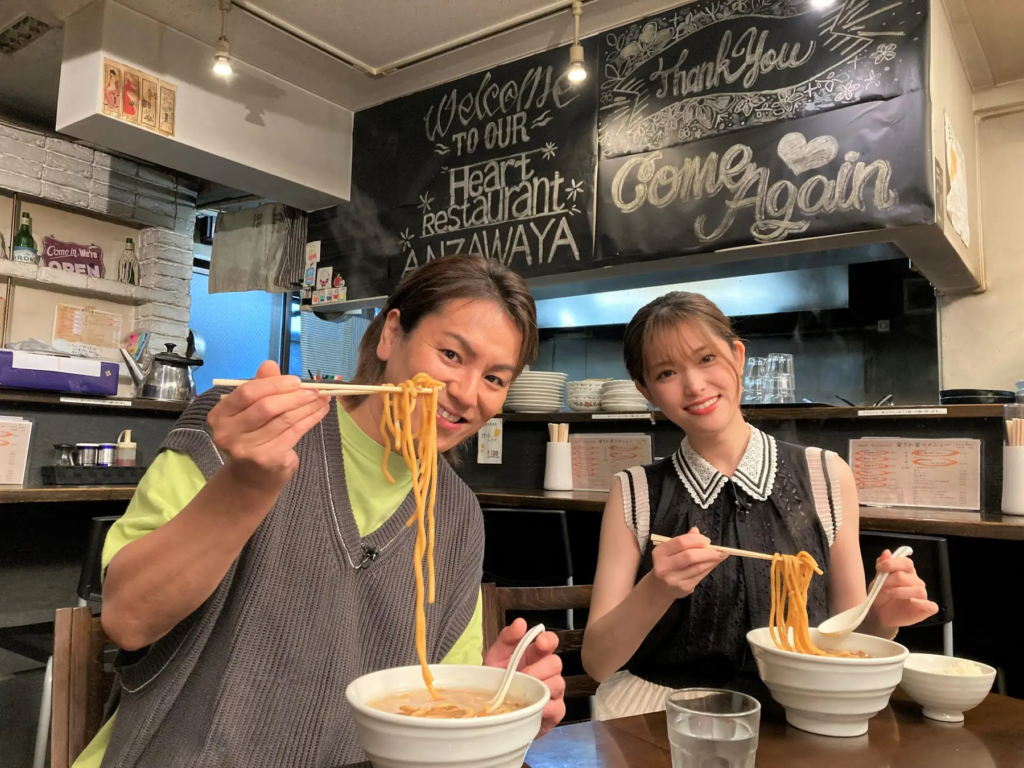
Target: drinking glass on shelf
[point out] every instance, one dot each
(753, 379)
(780, 366)
(708, 727)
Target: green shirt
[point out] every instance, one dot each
(173, 480)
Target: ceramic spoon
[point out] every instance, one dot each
(842, 624)
(513, 665)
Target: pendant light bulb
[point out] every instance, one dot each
(577, 72)
(821, 5)
(222, 59)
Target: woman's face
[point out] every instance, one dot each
(471, 346)
(692, 376)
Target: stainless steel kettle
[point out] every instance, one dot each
(168, 378)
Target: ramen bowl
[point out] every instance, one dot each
(945, 686)
(826, 695)
(400, 741)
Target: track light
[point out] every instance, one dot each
(822, 4)
(222, 59)
(576, 73)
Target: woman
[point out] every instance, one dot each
(264, 563)
(677, 615)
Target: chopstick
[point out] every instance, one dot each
(727, 550)
(1015, 432)
(558, 433)
(325, 388)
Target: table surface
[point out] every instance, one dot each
(898, 737)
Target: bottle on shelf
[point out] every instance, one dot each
(23, 246)
(128, 266)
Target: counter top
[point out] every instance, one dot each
(69, 400)
(940, 522)
(787, 413)
(16, 494)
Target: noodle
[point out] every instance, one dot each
(420, 454)
(791, 578)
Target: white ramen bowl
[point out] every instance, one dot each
(826, 695)
(398, 741)
(945, 696)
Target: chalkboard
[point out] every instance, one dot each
(501, 163)
(715, 66)
(862, 167)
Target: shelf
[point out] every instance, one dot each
(787, 413)
(15, 494)
(48, 278)
(113, 404)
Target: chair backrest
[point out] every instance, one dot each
(544, 533)
(90, 580)
(80, 683)
(498, 600)
(931, 561)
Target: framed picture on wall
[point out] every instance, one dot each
(149, 101)
(111, 92)
(168, 105)
(132, 85)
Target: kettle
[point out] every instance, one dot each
(168, 378)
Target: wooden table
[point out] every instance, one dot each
(898, 737)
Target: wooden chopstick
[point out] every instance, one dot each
(1015, 432)
(656, 539)
(328, 388)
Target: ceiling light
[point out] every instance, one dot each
(822, 4)
(576, 73)
(222, 59)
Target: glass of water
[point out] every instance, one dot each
(710, 728)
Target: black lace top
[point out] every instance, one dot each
(782, 498)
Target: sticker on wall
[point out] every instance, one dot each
(323, 277)
(489, 442)
(131, 87)
(957, 200)
(168, 105)
(149, 101)
(112, 74)
(137, 97)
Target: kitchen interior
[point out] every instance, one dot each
(140, 141)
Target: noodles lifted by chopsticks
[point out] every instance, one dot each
(419, 450)
(791, 578)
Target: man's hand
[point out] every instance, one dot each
(539, 661)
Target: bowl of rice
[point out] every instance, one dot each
(946, 686)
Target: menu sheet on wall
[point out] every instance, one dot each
(15, 434)
(901, 472)
(85, 331)
(596, 458)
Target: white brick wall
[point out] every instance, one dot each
(66, 172)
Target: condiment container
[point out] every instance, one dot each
(1013, 459)
(63, 455)
(86, 454)
(105, 455)
(125, 449)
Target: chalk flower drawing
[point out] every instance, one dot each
(405, 239)
(425, 202)
(634, 118)
(549, 150)
(575, 190)
(884, 52)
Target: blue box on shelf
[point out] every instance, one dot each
(31, 370)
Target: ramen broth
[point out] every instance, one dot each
(451, 703)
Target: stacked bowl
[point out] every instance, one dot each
(621, 396)
(536, 392)
(585, 396)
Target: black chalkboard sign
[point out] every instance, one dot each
(501, 163)
(715, 66)
(862, 167)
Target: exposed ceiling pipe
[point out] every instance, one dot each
(494, 30)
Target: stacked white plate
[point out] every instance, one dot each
(536, 392)
(621, 396)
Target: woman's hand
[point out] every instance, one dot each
(259, 424)
(681, 563)
(539, 661)
(903, 599)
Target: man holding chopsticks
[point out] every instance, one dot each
(263, 563)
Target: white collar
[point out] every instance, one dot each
(755, 473)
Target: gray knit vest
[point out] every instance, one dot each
(256, 677)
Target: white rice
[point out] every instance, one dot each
(961, 667)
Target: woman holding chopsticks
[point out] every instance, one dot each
(264, 562)
(676, 615)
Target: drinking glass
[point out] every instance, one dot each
(780, 367)
(711, 728)
(753, 379)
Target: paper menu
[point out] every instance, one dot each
(85, 326)
(597, 458)
(902, 472)
(489, 442)
(14, 440)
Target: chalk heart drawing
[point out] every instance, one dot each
(802, 155)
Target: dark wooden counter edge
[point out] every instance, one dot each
(66, 493)
(910, 521)
(785, 414)
(104, 403)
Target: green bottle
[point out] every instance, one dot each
(23, 247)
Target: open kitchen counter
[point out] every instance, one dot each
(938, 522)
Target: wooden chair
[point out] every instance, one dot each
(80, 684)
(498, 600)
